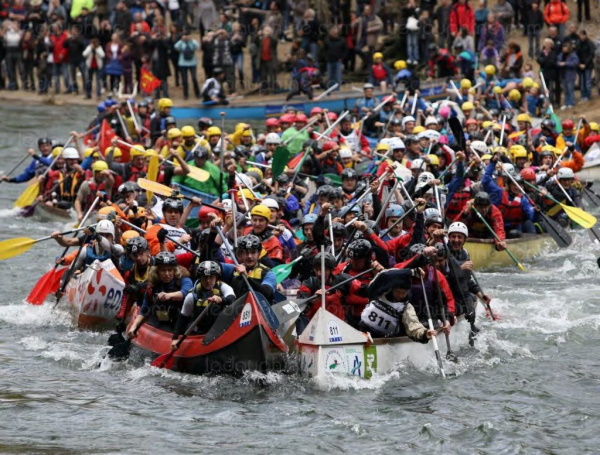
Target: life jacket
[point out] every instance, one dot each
(384, 318)
(175, 233)
(457, 203)
(352, 140)
(168, 310)
(68, 186)
(238, 283)
(91, 255)
(132, 277)
(511, 210)
(270, 244)
(136, 173)
(379, 72)
(40, 168)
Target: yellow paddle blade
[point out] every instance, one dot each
(28, 196)
(152, 174)
(521, 266)
(580, 216)
(158, 188)
(13, 247)
(198, 174)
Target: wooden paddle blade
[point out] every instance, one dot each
(593, 197)
(579, 216)
(556, 231)
(155, 187)
(198, 174)
(152, 174)
(28, 196)
(13, 247)
(166, 361)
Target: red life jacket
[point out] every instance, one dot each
(379, 72)
(457, 203)
(135, 173)
(511, 210)
(94, 188)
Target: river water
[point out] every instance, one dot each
(531, 384)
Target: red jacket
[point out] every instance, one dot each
(462, 16)
(556, 12)
(357, 297)
(477, 229)
(59, 52)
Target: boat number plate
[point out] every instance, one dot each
(246, 317)
(335, 335)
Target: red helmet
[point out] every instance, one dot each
(301, 118)
(568, 125)
(272, 122)
(332, 116)
(287, 118)
(528, 174)
(204, 211)
(472, 121)
(329, 145)
(315, 110)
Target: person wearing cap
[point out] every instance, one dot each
(212, 91)
(260, 216)
(565, 177)
(101, 183)
(368, 101)
(297, 136)
(483, 204)
(37, 166)
(380, 73)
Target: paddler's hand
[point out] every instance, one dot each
(114, 141)
(467, 265)
(439, 234)
(360, 225)
(446, 328)
(325, 209)
(421, 204)
(377, 266)
(217, 222)
(279, 229)
(431, 333)
(368, 209)
(56, 235)
(131, 332)
(31, 152)
(429, 251)
(174, 344)
(486, 298)
(232, 168)
(185, 238)
(215, 299)
(161, 235)
(241, 269)
(162, 296)
(501, 246)
(196, 201)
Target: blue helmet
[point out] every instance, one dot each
(309, 219)
(394, 211)
(101, 107)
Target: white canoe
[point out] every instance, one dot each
(96, 294)
(590, 171)
(330, 346)
(45, 212)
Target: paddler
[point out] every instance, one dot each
(564, 178)
(136, 278)
(102, 182)
(293, 137)
(38, 165)
(260, 216)
(483, 204)
(158, 124)
(216, 183)
(172, 225)
(164, 295)
(63, 183)
(390, 312)
(208, 289)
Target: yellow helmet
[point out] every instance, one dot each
(128, 235)
(433, 160)
(500, 149)
(383, 147)
(247, 133)
(497, 90)
(418, 129)
(245, 193)
(514, 95)
(104, 212)
(213, 131)
(524, 118)
(241, 126)
(557, 151)
(400, 65)
(257, 170)
(99, 166)
(173, 133)
(490, 70)
(487, 156)
(547, 148)
(88, 152)
(151, 152)
(467, 106)
(261, 210)
(536, 85)
(518, 151)
(188, 131)
(594, 126)
(486, 124)
(465, 83)
(377, 55)
(164, 103)
(117, 153)
(56, 151)
(527, 82)
(138, 150)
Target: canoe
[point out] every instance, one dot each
(241, 339)
(45, 212)
(336, 102)
(192, 221)
(484, 255)
(330, 346)
(590, 171)
(95, 295)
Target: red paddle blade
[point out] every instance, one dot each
(46, 285)
(164, 361)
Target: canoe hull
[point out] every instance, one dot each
(484, 255)
(590, 171)
(45, 212)
(95, 295)
(240, 340)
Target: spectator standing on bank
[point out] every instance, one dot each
(335, 51)
(504, 13)
(114, 68)
(462, 15)
(493, 31)
(568, 66)
(535, 23)
(188, 63)
(442, 17)
(223, 59)
(28, 53)
(60, 56)
(481, 15)
(94, 62)
(267, 48)
(586, 52)
(557, 13)
(76, 45)
(13, 54)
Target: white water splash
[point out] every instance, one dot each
(35, 315)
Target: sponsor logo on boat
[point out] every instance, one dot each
(246, 317)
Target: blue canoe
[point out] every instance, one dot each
(187, 191)
(336, 102)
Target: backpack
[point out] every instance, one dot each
(188, 52)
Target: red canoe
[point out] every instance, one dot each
(241, 339)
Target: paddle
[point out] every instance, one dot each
(458, 132)
(450, 355)
(579, 216)
(556, 231)
(280, 160)
(487, 305)
(593, 197)
(10, 248)
(166, 360)
(70, 272)
(50, 281)
(16, 166)
(291, 309)
(121, 351)
(438, 356)
(512, 256)
(165, 191)
(152, 175)
(282, 271)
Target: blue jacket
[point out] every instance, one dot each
(29, 171)
(570, 70)
(495, 192)
(181, 46)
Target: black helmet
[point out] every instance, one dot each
(136, 245)
(44, 141)
(441, 250)
(170, 120)
(406, 206)
(283, 179)
(330, 261)
(201, 153)
(432, 47)
(417, 248)
(339, 230)
(373, 226)
(395, 121)
(240, 150)
(173, 204)
(143, 103)
(165, 258)
(204, 122)
(324, 191)
(349, 173)
(359, 249)
(208, 268)
(128, 187)
(336, 193)
(548, 124)
(544, 153)
(249, 243)
(494, 112)
(482, 198)
(410, 139)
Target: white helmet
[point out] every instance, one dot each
(565, 173)
(429, 191)
(426, 177)
(480, 147)
(105, 227)
(271, 203)
(431, 120)
(509, 168)
(273, 138)
(459, 227)
(417, 164)
(432, 135)
(70, 153)
(396, 143)
(345, 152)
(431, 213)
(405, 120)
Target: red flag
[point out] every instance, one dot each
(106, 135)
(149, 82)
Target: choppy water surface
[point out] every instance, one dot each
(531, 385)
